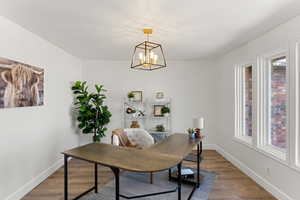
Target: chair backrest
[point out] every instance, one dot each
(137, 137)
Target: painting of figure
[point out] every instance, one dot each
(21, 85)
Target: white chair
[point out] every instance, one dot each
(132, 137)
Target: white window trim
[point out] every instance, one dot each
(263, 129)
(239, 135)
(295, 140)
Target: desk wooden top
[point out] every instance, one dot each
(159, 157)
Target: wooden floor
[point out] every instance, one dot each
(231, 183)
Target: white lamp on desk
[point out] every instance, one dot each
(198, 124)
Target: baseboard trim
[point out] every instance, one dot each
(252, 174)
(25, 189)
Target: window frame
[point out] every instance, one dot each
(295, 139)
(240, 133)
(264, 105)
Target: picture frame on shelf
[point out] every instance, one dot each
(138, 96)
(157, 110)
(159, 96)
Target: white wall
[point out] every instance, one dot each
(33, 137)
(190, 85)
(282, 180)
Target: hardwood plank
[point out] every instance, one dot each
(231, 183)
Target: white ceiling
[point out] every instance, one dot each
(188, 29)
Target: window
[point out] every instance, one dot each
(267, 94)
(247, 101)
(277, 102)
(272, 135)
(244, 102)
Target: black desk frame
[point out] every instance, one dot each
(116, 172)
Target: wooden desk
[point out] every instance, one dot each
(161, 156)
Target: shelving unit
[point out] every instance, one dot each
(149, 121)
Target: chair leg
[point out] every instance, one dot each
(151, 177)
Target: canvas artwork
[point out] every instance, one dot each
(21, 85)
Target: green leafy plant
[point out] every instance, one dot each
(93, 116)
(165, 110)
(160, 128)
(190, 130)
(130, 95)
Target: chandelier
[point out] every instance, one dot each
(148, 55)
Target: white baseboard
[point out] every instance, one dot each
(22, 191)
(252, 174)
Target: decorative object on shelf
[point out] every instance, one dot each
(130, 96)
(158, 111)
(130, 111)
(191, 133)
(21, 85)
(160, 128)
(137, 96)
(165, 111)
(139, 113)
(198, 125)
(134, 124)
(159, 96)
(148, 55)
(93, 116)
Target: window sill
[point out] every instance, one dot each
(274, 153)
(268, 151)
(246, 140)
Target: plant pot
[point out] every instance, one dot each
(166, 114)
(192, 135)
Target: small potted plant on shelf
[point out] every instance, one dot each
(165, 111)
(160, 128)
(130, 96)
(191, 132)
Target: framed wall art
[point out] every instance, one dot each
(21, 85)
(138, 96)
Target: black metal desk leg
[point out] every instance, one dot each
(169, 174)
(66, 176)
(117, 181)
(96, 178)
(179, 180)
(198, 166)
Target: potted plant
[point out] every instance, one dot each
(160, 128)
(130, 96)
(191, 132)
(165, 111)
(92, 114)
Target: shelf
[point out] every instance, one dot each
(158, 132)
(191, 180)
(134, 118)
(160, 103)
(160, 117)
(149, 120)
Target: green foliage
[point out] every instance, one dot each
(160, 128)
(130, 95)
(93, 116)
(190, 130)
(165, 110)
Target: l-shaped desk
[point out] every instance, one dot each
(162, 156)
